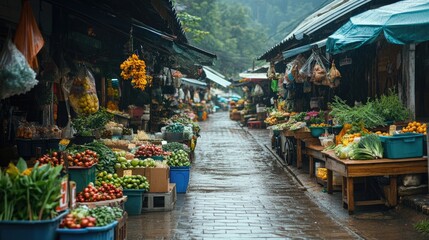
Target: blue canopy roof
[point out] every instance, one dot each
(403, 22)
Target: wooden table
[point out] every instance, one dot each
(300, 136)
(314, 152)
(350, 169)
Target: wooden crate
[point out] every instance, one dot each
(121, 228)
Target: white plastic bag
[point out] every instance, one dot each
(257, 91)
(16, 75)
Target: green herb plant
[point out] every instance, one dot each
(391, 107)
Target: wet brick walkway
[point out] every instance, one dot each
(238, 191)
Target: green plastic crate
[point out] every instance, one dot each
(82, 176)
(407, 145)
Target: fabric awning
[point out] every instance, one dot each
(193, 82)
(305, 48)
(216, 77)
(403, 22)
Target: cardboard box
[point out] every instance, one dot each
(158, 177)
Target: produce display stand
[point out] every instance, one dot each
(313, 152)
(300, 135)
(351, 169)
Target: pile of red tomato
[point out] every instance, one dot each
(74, 222)
(106, 191)
(86, 158)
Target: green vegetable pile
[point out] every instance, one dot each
(178, 158)
(365, 113)
(173, 146)
(369, 147)
(105, 215)
(29, 194)
(391, 108)
(85, 124)
(175, 128)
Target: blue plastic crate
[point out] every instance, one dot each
(91, 233)
(30, 230)
(180, 176)
(407, 145)
(134, 204)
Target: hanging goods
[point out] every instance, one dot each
(28, 38)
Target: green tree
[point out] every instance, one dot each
(233, 35)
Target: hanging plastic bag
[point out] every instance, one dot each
(271, 73)
(307, 68)
(83, 94)
(257, 91)
(320, 71)
(28, 38)
(16, 76)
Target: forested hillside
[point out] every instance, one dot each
(238, 31)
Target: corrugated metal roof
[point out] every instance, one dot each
(295, 51)
(318, 20)
(216, 77)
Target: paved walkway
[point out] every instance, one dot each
(239, 191)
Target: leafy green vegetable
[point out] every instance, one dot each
(29, 195)
(391, 108)
(369, 147)
(365, 113)
(173, 146)
(85, 124)
(423, 227)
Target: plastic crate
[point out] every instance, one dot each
(133, 206)
(317, 131)
(91, 233)
(82, 176)
(180, 176)
(30, 230)
(403, 145)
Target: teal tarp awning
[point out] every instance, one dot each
(403, 22)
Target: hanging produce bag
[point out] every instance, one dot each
(292, 70)
(334, 76)
(28, 38)
(83, 94)
(271, 73)
(257, 91)
(16, 76)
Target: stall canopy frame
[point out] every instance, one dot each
(216, 77)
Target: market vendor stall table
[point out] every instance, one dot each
(300, 136)
(350, 169)
(314, 152)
